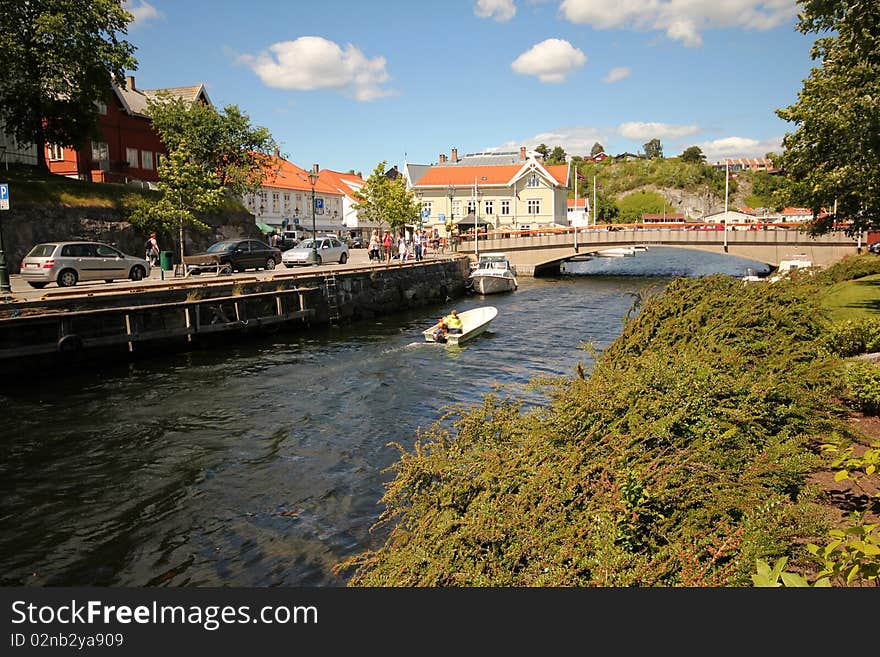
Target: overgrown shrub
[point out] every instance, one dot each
(853, 337)
(863, 383)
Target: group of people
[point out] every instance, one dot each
(406, 245)
(451, 323)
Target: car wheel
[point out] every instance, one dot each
(67, 278)
(39, 286)
(270, 264)
(343, 258)
(137, 273)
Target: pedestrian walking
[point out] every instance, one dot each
(151, 248)
(386, 245)
(373, 247)
(417, 245)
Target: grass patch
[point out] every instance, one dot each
(856, 299)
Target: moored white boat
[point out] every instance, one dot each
(473, 323)
(617, 252)
(493, 274)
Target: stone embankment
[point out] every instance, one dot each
(183, 313)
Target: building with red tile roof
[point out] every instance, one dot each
(347, 184)
(497, 189)
(286, 194)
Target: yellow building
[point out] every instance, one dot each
(505, 191)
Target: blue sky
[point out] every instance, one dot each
(349, 84)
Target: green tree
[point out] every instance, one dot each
(557, 156)
(596, 149)
(382, 200)
(188, 190)
(59, 57)
(224, 141)
(653, 149)
(693, 154)
(834, 152)
(542, 150)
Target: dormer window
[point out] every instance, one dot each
(532, 180)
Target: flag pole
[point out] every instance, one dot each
(594, 201)
(726, 188)
(574, 214)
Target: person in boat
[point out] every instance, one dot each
(453, 323)
(439, 332)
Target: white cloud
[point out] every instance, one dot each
(575, 140)
(551, 60)
(616, 74)
(718, 149)
(312, 62)
(501, 10)
(681, 20)
(637, 131)
(142, 11)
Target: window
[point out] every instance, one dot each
(489, 207)
(275, 201)
(286, 203)
(131, 156)
(147, 160)
(505, 207)
(56, 152)
(471, 207)
(429, 206)
(159, 158)
(456, 207)
(534, 206)
(104, 251)
(101, 154)
(533, 181)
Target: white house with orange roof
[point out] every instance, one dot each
(498, 190)
(578, 211)
(286, 193)
(347, 184)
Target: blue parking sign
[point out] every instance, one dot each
(4, 196)
(319, 204)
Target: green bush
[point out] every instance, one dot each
(853, 337)
(863, 382)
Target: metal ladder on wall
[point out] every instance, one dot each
(331, 293)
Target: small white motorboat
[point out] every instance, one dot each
(492, 274)
(474, 322)
(616, 252)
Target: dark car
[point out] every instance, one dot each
(234, 255)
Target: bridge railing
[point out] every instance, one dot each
(544, 231)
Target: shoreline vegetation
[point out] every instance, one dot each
(691, 455)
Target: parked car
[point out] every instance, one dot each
(237, 255)
(874, 248)
(330, 249)
(66, 263)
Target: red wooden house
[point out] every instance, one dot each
(130, 150)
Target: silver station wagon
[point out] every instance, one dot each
(66, 263)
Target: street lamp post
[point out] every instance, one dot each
(313, 178)
(450, 193)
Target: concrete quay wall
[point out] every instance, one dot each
(197, 312)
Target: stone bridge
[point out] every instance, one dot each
(538, 254)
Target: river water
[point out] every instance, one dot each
(262, 464)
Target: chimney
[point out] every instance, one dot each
(442, 158)
(455, 155)
(129, 82)
(522, 152)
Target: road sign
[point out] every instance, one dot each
(4, 196)
(426, 213)
(442, 218)
(319, 204)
